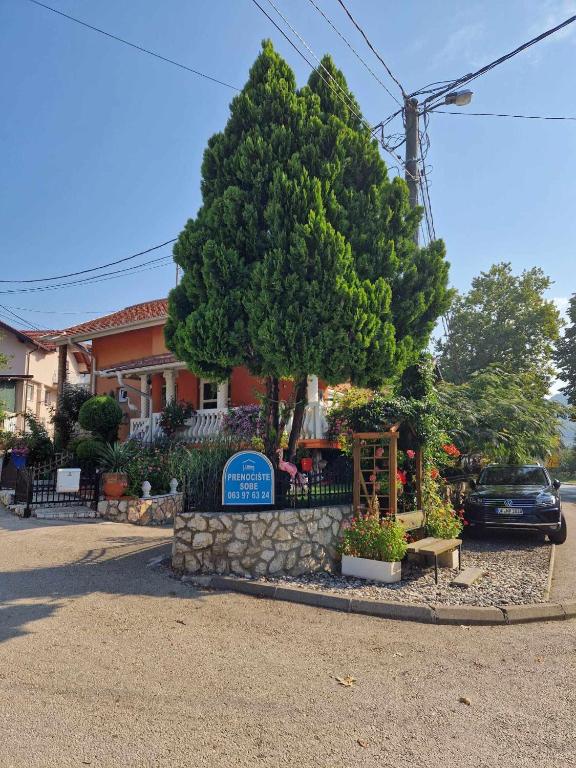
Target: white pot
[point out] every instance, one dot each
(375, 570)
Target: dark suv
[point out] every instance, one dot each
(517, 497)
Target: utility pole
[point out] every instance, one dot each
(412, 174)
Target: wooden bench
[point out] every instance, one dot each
(436, 547)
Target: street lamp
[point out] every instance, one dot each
(458, 98)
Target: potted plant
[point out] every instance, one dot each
(115, 459)
(373, 549)
(174, 417)
(304, 455)
(19, 455)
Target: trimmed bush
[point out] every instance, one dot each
(87, 450)
(101, 415)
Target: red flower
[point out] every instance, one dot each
(372, 478)
(401, 476)
(451, 450)
(434, 473)
(410, 454)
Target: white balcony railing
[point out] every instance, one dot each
(207, 423)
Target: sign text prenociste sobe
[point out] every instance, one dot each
(248, 480)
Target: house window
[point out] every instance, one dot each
(208, 395)
(29, 393)
(47, 397)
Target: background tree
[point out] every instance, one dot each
(301, 260)
(65, 416)
(502, 416)
(504, 320)
(566, 354)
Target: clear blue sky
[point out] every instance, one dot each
(101, 146)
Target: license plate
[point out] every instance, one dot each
(509, 511)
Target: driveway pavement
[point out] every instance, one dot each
(106, 662)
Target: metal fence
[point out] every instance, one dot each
(36, 487)
(329, 487)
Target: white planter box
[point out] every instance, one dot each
(375, 570)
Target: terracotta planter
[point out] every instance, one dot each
(374, 570)
(114, 484)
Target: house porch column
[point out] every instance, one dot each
(222, 395)
(144, 389)
(312, 393)
(170, 379)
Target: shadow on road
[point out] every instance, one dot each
(116, 566)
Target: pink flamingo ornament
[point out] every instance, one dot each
(286, 466)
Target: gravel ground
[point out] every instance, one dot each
(515, 567)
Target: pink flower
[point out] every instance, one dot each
(372, 478)
(411, 454)
(379, 452)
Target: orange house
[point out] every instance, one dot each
(130, 362)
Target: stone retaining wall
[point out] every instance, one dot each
(153, 511)
(286, 541)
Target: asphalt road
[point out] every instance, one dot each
(106, 662)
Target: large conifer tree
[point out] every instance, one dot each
(301, 259)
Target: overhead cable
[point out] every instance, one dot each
(473, 75)
(354, 51)
(135, 46)
(374, 51)
(93, 269)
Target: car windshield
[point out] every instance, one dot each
(513, 476)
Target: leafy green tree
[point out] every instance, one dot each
(65, 416)
(566, 354)
(502, 416)
(301, 259)
(101, 415)
(504, 320)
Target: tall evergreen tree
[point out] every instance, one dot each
(301, 259)
(566, 354)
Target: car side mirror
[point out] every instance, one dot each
(472, 483)
(556, 484)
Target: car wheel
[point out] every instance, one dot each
(559, 536)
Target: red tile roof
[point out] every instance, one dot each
(30, 336)
(145, 362)
(38, 337)
(148, 310)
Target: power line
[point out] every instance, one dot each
(63, 312)
(134, 45)
(17, 317)
(93, 269)
(95, 279)
(315, 69)
(374, 51)
(499, 114)
(299, 52)
(347, 42)
(473, 75)
(351, 104)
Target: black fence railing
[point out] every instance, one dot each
(37, 487)
(328, 487)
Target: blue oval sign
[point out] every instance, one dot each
(248, 479)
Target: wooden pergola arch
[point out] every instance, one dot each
(375, 457)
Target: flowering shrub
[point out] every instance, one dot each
(244, 423)
(442, 521)
(175, 415)
(374, 539)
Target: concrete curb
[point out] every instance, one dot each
(425, 614)
(551, 564)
